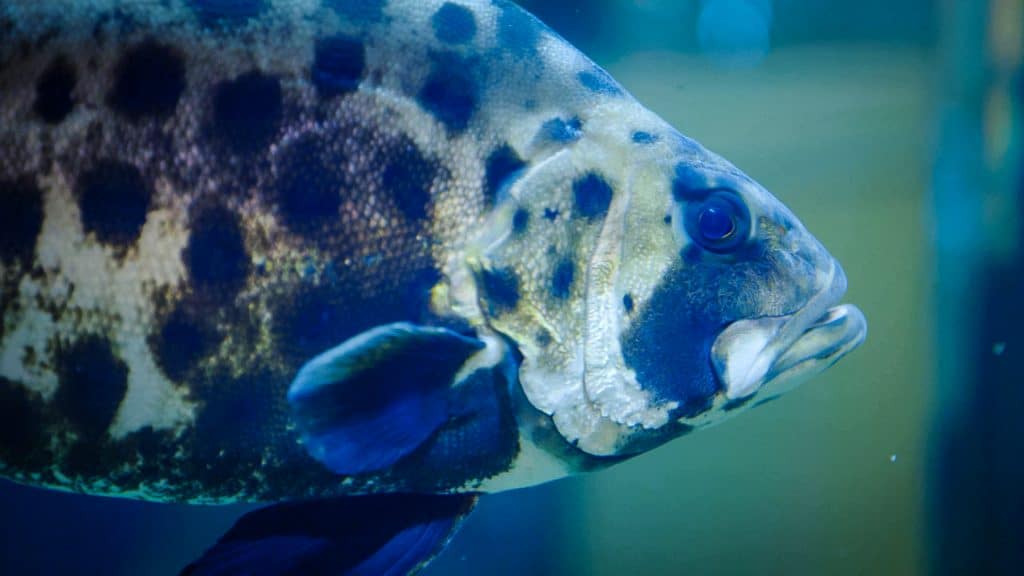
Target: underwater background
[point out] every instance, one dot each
(895, 130)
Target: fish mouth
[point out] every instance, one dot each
(782, 351)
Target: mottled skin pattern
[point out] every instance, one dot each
(200, 196)
(206, 200)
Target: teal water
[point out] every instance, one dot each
(842, 113)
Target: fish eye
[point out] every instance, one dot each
(719, 223)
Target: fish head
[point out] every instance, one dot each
(705, 295)
(684, 292)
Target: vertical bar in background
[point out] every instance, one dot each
(977, 504)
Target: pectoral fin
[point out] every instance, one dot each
(392, 534)
(375, 398)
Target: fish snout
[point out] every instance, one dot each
(751, 353)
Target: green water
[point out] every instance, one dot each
(807, 484)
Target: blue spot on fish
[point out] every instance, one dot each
(502, 166)
(561, 282)
(148, 82)
(408, 178)
(563, 131)
(644, 138)
(215, 255)
(114, 199)
(599, 82)
(501, 288)
(593, 195)
(307, 189)
(520, 221)
(21, 219)
(181, 342)
(450, 92)
(247, 112)
(339, 63)
(93, 381)
(454, 24)
(53, 91)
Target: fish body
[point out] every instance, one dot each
(265, 250)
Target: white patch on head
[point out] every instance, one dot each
(742, 345)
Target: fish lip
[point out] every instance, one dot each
(748, 354)
(841, 329)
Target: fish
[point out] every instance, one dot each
(364, 261)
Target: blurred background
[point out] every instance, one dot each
(893, 129)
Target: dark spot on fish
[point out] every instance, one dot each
(308, 186)
(501, 168)
(114, 199)
(543, 338)
(593, 195)
(667, 219)
(737, 403)
(562, 280)
(501, 289)
(550, 214)
(23, 442)
(520, 221)
(148, 82)
(518, 30)
(627, 303)
(644, 138)
(215, 255)
(227, 12)
(21, 220)
(53, 90)
(339, 63)
(454, 24)
(93, 381)
(321, 316)
(183, 340)
(358, 11)
(668, 342)
(247, 112)
(408, 178)
(598, 81)
(562, 131)
(450, 92)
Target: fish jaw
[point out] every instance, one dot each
(783, 351)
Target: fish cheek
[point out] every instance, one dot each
(668, 343)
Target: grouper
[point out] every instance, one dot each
(364, 261)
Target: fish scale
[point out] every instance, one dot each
(265, 250)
